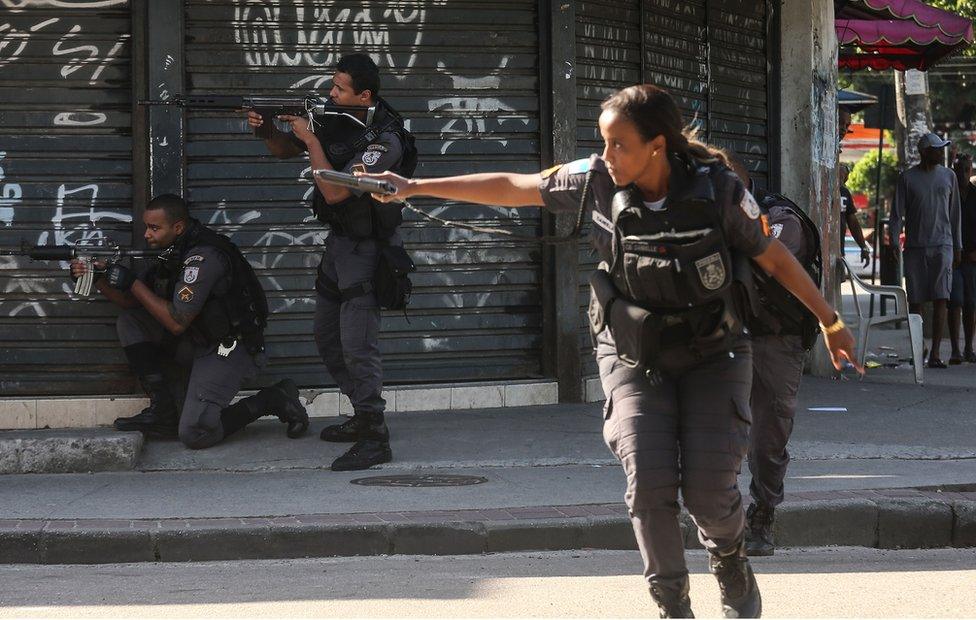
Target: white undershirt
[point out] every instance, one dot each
(657, 205)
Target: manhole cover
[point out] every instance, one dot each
(432, 480)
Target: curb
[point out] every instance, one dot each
(68, 451)
(884, 523)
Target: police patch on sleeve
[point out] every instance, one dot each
(196, 258)
(377, 147)
(371, 157)
(749, 206)
(548, 172)
(776, 230)
(190, 274)
(580, 166)
(185, 294)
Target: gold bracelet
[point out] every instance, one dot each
(834, 327)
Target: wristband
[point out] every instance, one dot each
(834, 327)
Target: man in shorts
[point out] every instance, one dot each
(927, 204)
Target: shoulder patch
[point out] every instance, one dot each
(580, 166)
(190, 274)
(358, 168)
(548, 172)
(776, 230)
(371, 157)
(196, 258)
(378, 147)
(185, 294)
(749, 206)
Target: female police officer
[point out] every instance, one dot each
(672, 227)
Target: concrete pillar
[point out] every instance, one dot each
(807, 75)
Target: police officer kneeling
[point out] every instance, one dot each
(200, 304)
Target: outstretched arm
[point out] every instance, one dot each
(777, 261)
(504, 189)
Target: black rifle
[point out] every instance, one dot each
(85, 253)
(314, 109)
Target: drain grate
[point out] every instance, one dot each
(431, 480)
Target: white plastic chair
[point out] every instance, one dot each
(865, 322)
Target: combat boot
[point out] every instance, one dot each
(373, 447)
(740, 592)
(354, 429)
(759, 530)
(281, 400)
(672, 603)
(160, 420)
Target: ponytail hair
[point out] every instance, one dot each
(653, 111)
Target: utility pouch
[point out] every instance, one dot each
(636, 333)
(355, 216)
(391, 282)
(602, 295)
(387, 216)
(677, 270)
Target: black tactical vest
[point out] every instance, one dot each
(361, 217)
(670, 286)
(779, 312)
(239, 313)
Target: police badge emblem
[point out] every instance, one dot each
(190, 274)
(371, 157)
(711, 271)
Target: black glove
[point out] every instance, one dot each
(120, 277)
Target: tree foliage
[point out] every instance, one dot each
(864, 176)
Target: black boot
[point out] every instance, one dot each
(759, 530)
(353, 429)
(372, 448)
(672, 603)
(159, 420)
(280, 399)
(740, 592)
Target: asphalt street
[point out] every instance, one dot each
(812, 583)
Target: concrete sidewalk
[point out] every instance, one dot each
(878, 462)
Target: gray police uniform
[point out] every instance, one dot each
(214, 379)
(347, 316)
(683, 425)
(777, 361)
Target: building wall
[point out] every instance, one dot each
(481, 85)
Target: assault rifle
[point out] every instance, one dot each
(85, 253)
(314, 109)
(363, 184)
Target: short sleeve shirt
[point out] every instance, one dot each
(203, 273)
(562, 186)
(786, 226)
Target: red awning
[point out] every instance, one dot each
(899, 34)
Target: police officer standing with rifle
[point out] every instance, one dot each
(675, 230)
(200, 305)
(347, 313)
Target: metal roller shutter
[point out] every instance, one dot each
(608, 58)
(465, 74)
(65, 178)
(738, 70)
